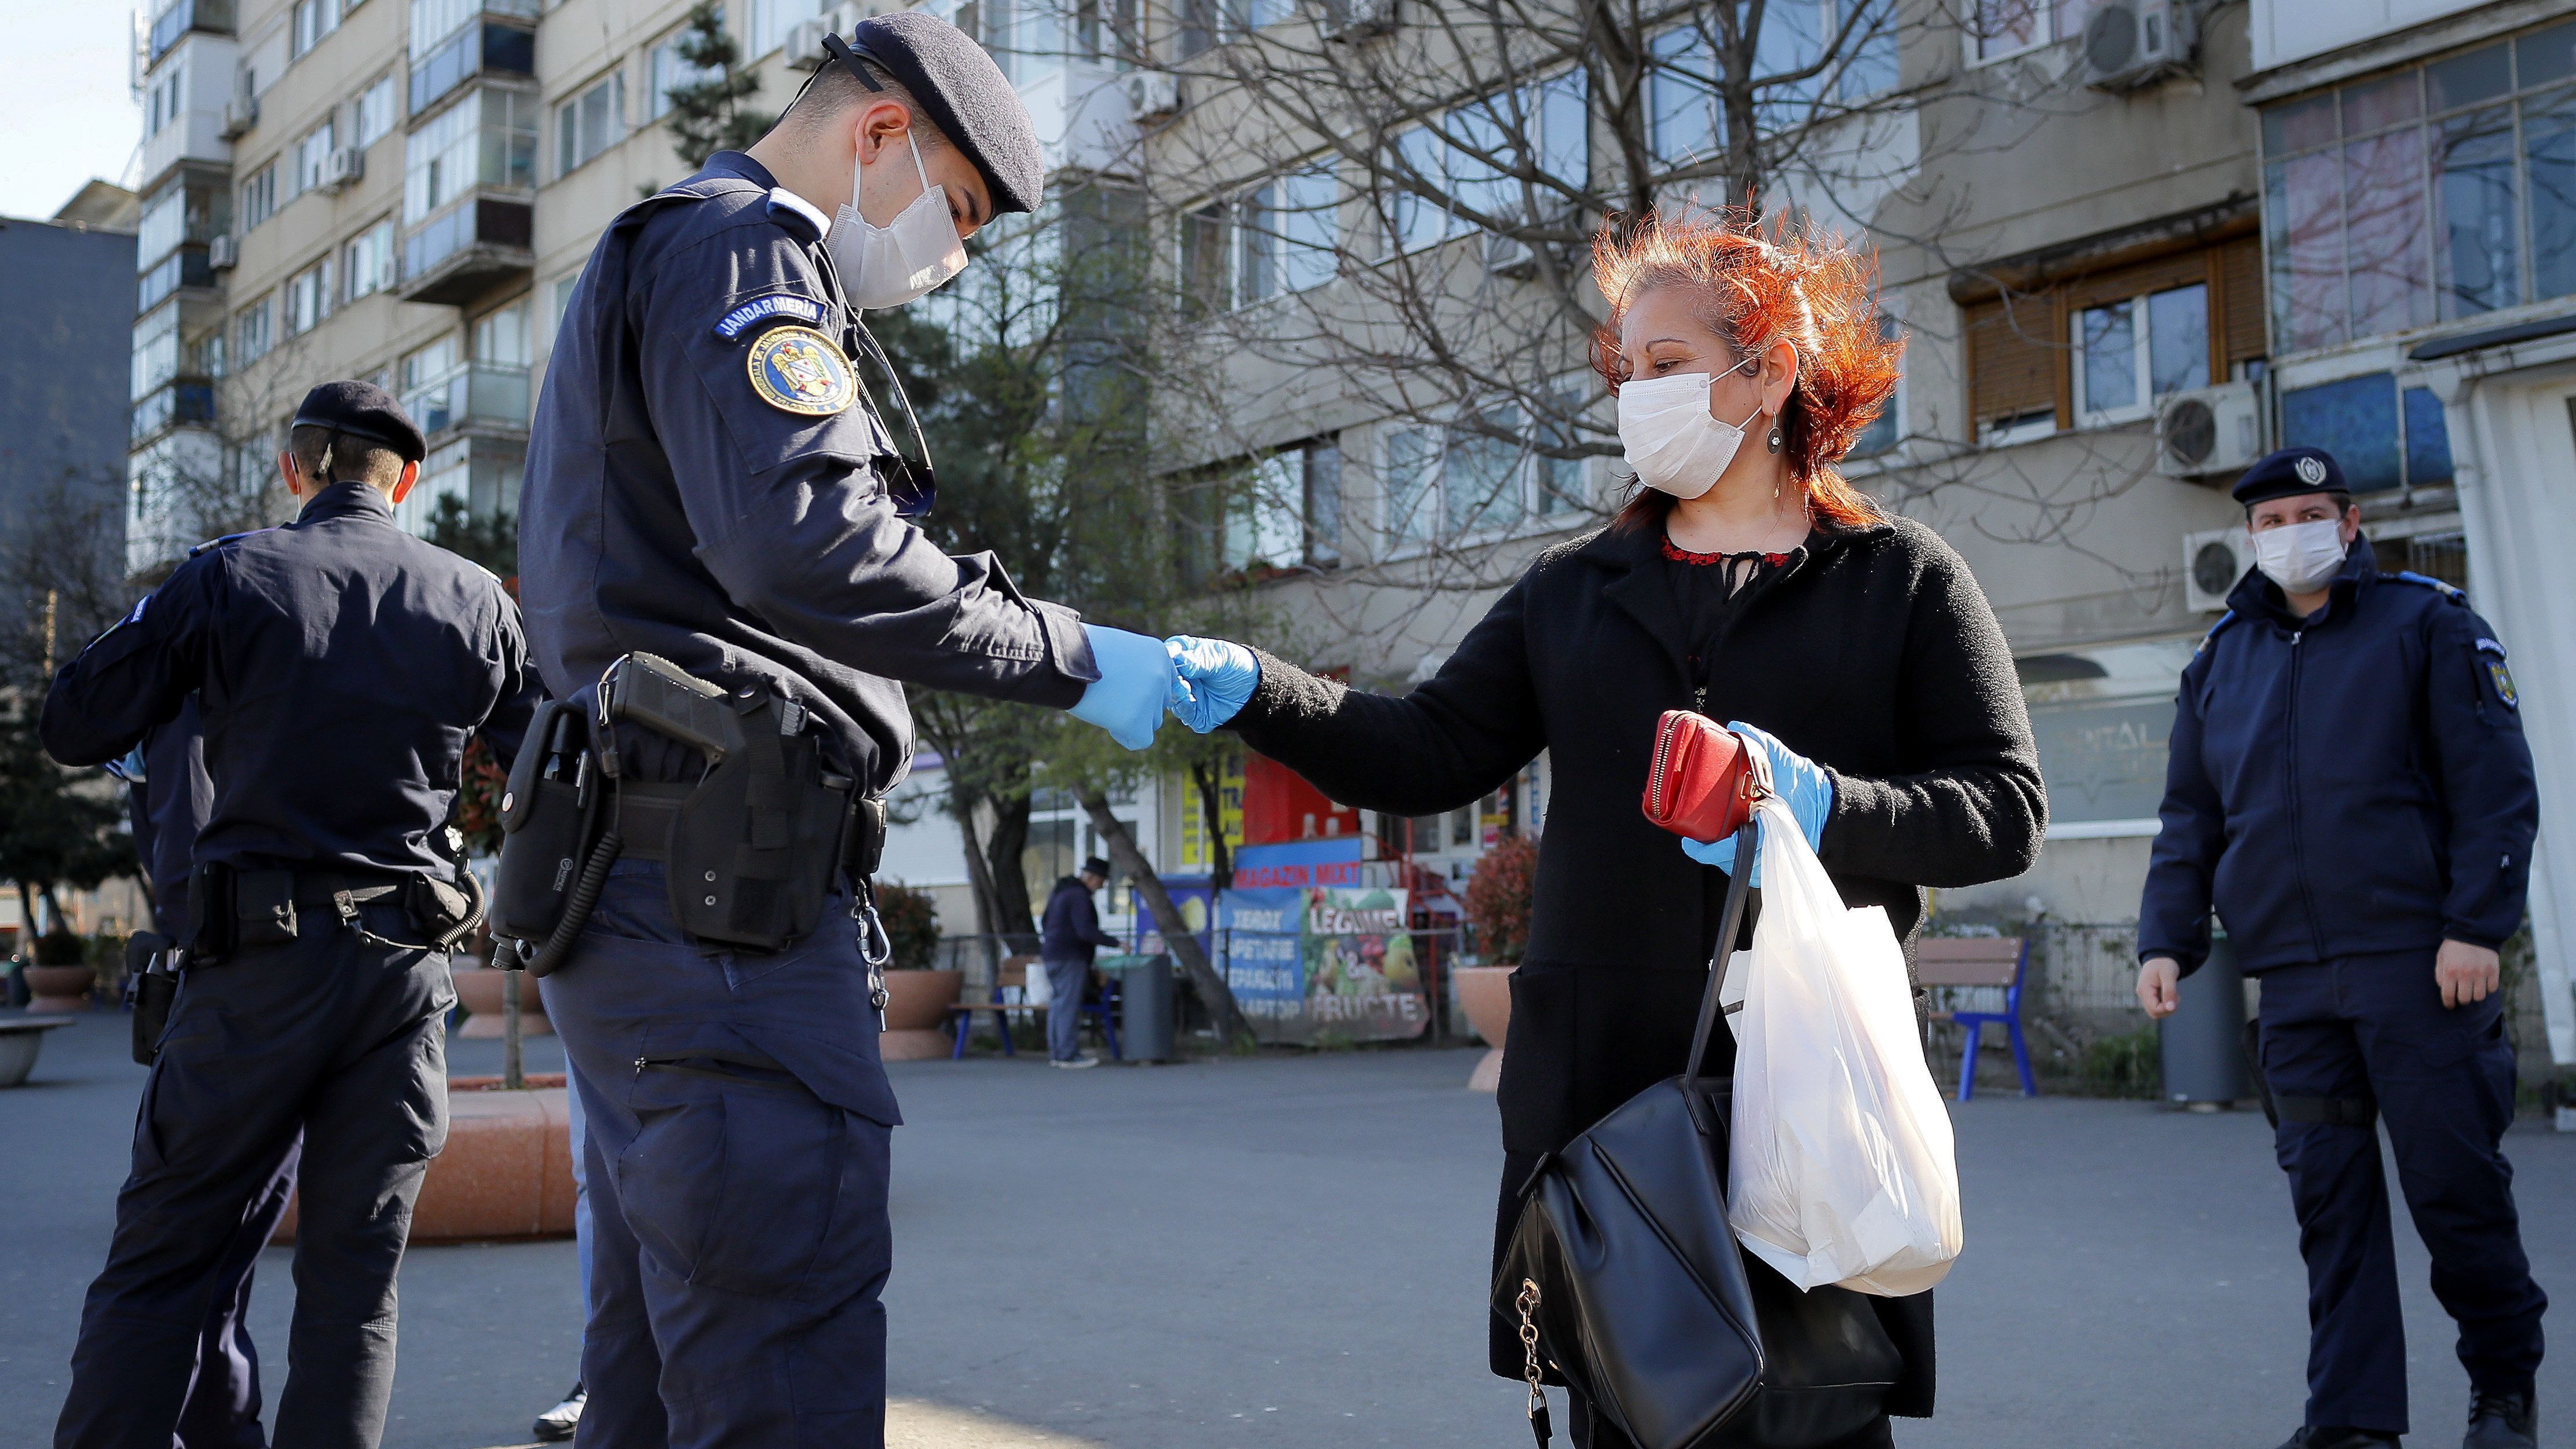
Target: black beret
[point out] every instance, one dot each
(969, 99)
(2288, 473)
(363, 410)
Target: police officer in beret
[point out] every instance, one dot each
(710, 482)
(339, 663)
(2350, 788)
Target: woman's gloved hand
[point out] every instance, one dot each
(1211, 680)
(1800, 783)
(1135, 681)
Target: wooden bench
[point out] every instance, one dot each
(1990, 962)
(1014, 975)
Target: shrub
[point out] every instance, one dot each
(1499, 899)
(2130, 1065)
(62, 948)
(911, 925)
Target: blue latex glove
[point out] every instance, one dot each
(1800, 783)
(1212, 679)
(1135, 680)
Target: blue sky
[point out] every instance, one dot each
(70, 116)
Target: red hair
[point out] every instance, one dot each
(1817, 293)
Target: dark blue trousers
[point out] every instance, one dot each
(738, 1124)
(222, 1409)
(2374, 1028)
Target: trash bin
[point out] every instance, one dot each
(1145, 1007)
(2203, 1042)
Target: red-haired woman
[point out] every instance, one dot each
(1747, 581)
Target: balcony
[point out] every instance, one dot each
(478, 49)
(468, 250)
(478, 397)
(176, 403)
(214, 17)
(186, 269)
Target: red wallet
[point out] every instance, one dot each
(1702, 781)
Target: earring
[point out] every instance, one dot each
(1773, 442)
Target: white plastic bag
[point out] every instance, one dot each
(1842, 1168)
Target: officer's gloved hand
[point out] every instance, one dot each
(1135, 680)
(1212, 679)
(1800, 783)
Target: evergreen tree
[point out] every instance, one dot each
(57, 826)
(712, 114)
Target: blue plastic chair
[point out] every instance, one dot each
(1980, 962)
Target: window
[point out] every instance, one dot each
(1291, 511)
(1684, 124)
(667, 70)
(1470, 477)
(312, 157)
(251, 335)
(487, 139)
(1461, 157)
(156, 350)
(2385, 437)
(371, 115)
(590, 123)
(314, 19)
(2131, 351)
(164, 225)
(2009, 27)
(259, 196)
(1286, 232)
(368, 261)
(434, 21)
(2102, 718)
(1207, 259)
(771, 20)
(164, 99)
(501, 336)
(563, 296)
(1887, 429)
(308, 297)
(2404, 199)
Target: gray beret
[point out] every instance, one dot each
(362, 410)
(968, 98)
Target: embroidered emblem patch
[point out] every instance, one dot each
(2502, 678)
(799, 370)
(786, 307)
(2310, 470)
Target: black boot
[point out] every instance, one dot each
(2503, 1421)
(2313, 1437)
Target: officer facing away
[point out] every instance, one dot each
(339, 664)
(708, 483)
(171, 796)
(2350, 787)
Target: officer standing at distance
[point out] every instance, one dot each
(339, 665)
(709, 483)
(2349, 785)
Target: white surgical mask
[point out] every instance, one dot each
(1669, 436)
(2300, 557)
(887, 266)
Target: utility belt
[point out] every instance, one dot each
(233, 909)
(752, 849)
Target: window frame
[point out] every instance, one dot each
(2044, 29)
(1529, 491)
(1390, 206)
(572, 124)
(2141, 352)
(385, 270)
(390, 86)
(259, 186)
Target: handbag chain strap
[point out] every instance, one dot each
(1527, 1303)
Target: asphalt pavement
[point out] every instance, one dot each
(1291, 1251)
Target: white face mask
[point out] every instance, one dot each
(1669, 436)
(2301, 557)
(887, 266)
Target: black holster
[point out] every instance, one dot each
(549, 816)
(233, 909)
(151, 987)
(756, 848)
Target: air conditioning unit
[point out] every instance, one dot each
(2209, 430)
(223, 253)
(2131, 43)
(2212, 563)
(1356, 19)
(343, 168)
(1153, 95)
(1509, 256)
(240, 114)
(805, 42)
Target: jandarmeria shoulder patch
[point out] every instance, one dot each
(784, 306)
(799, 370)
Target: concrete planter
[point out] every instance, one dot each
(506, 1171)
(21, 1040)
(479, 988)
(60, 988)
(1485, 992)
(917, 1005)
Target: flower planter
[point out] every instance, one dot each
(506, 1171)
(917, 1005)
(479, 989)
(1485, 993)
(60, 988)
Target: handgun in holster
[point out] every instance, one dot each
(151, 987)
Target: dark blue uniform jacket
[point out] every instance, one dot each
(1071, 930)
(339, 663)
(170, 802)
(672, 506)
(2353, 783)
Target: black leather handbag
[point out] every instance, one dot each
(1627, 1281)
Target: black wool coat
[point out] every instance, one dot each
(1873, 653)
